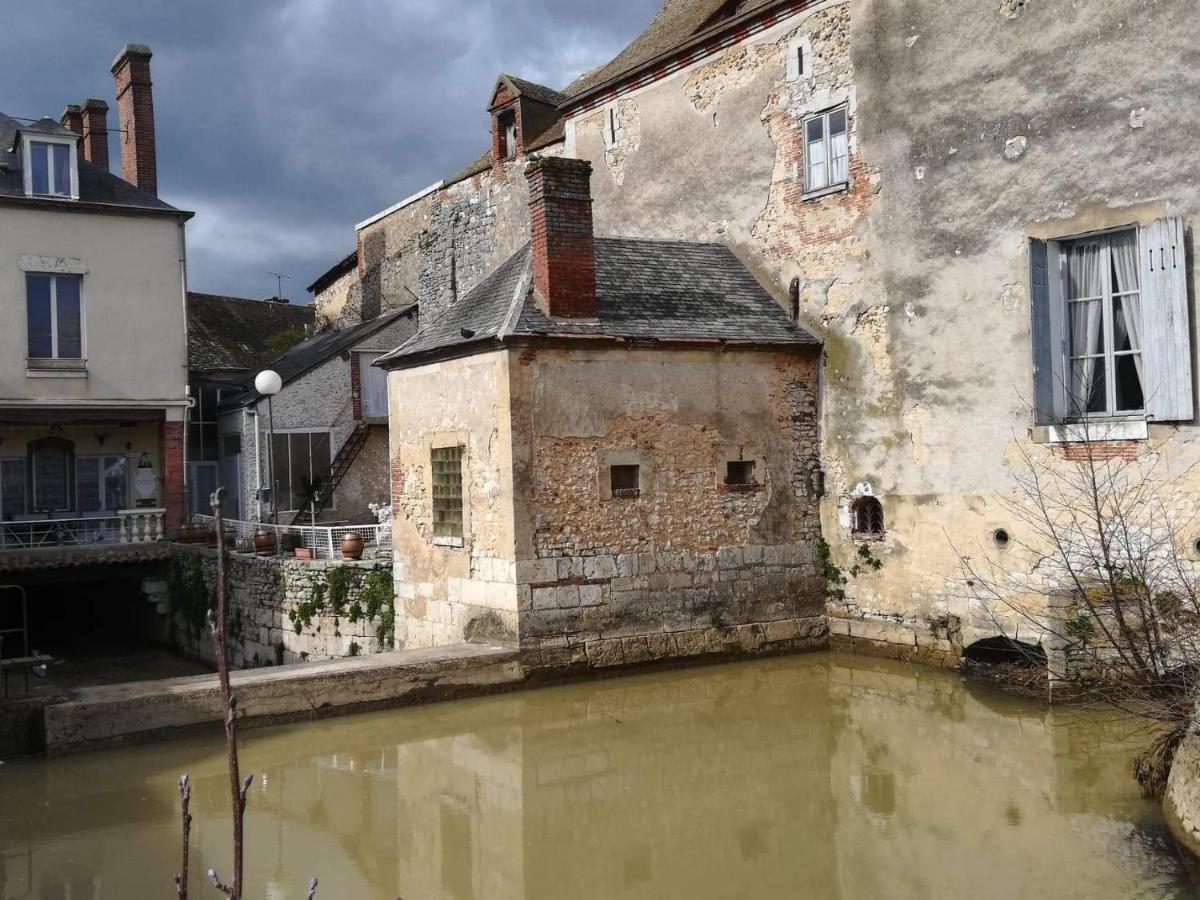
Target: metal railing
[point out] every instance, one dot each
(127, 526)
(324, 541)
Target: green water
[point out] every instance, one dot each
(813, 777)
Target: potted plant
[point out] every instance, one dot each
(352, 545)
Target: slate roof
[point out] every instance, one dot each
(306, 356)
(647, 290)
(538, 92)
(334, 272)
(96, 185)
(234, 334)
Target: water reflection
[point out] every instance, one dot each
(819, 777)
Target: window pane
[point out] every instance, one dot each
(839, 159)
(1088, 386)
(447, 492)
(1087, 327)
(837, 122)
(37, 305)
(280, 471)
(87, 484)
(61, 154)
(320, 459)
(1129, 382)
(51, 479)
(301, 485)
(116, 481)
(1085, 270)
(12, 488)
(39, 161)
(70, 330)
(1127, 323)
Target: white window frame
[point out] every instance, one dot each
(273, 475)
(81, 360)
(829, 187)
(28, 140)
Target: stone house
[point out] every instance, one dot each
(230, 340)
(608, 450)
(936, 214)
(93, 361)
(329, 452)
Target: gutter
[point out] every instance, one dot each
(87, 206)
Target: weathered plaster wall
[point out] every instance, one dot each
(689, 566)
(917, 275)
(448, 594)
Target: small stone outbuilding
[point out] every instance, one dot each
(608, 451)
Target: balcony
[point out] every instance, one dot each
(129, 535)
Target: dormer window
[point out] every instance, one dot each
(50, 167)
(508, 135)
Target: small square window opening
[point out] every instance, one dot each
(625, 481)
(739, 473)
(447, 493)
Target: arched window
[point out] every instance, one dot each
(51, 474)
(866, 517)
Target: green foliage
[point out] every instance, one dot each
(835, 577)
(345, 592)
(190, 593)
(283, 340)
(1080, 627)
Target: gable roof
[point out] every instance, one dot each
(307, 355)
(97, 187)
(647, 291)
(234, 334)
(522, 88)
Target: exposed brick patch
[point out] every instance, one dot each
(171, 453)
(1100, 451)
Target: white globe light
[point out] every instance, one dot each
(268, 383)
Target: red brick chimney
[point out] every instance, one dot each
(95, 132)
(135, 109)
(564, 248)
(72, 117)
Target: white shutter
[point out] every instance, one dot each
(374, 386)
(1166, 329)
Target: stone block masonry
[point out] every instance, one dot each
(279, 609)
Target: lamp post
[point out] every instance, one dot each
(268, 383)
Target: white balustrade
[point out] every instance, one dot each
(142, 526)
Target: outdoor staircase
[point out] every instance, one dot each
(337, 471)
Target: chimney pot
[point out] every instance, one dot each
(135, 109)
(95, 132)
(562, 239)
(72, 117)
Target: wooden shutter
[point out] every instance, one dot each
(1049, 382)
(1166, 340)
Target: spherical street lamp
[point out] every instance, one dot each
(268, 384)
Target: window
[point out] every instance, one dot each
(12, 489)
(49, 169)
(202, 424)
(625, 481)
(508, 135)
(373, 386)
(1111, 336)
(52, 465)
(54, 310)
(301, 465)
(101, 483)
(1104, 324)
(826, 150)
(446, 466)
(800, 61)
(739, 473)
(866, 517)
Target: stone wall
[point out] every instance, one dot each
(1182, 801)
(690, 566)
(265, 594)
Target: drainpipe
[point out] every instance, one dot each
(248, 413)
(187, 388)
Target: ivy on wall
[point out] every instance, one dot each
(345, 592)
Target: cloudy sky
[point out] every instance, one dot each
(284, 122)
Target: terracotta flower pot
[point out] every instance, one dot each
(304, 553)
(264, 542)
(352, 545)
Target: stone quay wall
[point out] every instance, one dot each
(267, 623)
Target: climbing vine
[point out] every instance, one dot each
(190, 592)
(835, 577)
(345, 592)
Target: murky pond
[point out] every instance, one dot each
(814, 777)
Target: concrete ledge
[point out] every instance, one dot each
(156, 710)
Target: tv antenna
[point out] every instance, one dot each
(279, 276)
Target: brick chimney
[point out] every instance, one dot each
(135, 109)
(564, 249)
(95, 132)
(72, 117)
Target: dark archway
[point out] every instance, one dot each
(1004, 651)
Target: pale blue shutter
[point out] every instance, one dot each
(1046, 325)
(1166, 341)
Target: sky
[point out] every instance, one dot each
(282, 123)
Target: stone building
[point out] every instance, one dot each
(920, 204)
(607, 449)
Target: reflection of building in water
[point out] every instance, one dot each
(828, 779)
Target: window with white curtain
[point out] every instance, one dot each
(101, 483)
(1104, 324)
(826, 150)
(1110, 323)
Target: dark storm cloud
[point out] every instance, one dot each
(283, 123)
